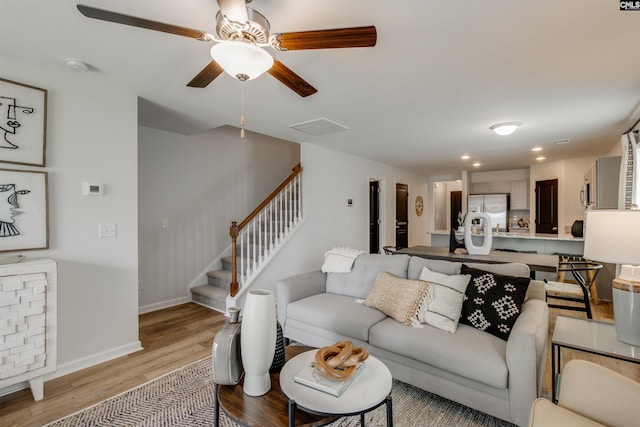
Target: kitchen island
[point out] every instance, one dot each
(536, 262)
(545, 244)
(522, 241)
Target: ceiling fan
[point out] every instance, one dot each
(240, 37)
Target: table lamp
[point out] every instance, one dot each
(614, 236)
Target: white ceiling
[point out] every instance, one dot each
(441, 73)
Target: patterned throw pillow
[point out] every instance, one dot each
(492, 302)
(442, 303)
(396, 297)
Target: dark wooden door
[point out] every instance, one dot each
(402, 215)
(456, 206)
(374, 217)
(547, 206)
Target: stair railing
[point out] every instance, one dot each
(253, 240)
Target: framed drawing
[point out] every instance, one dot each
(24, 210)
(23, 123)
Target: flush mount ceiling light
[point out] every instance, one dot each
(536, 149)
(504, 129)
(476, 164)
(241, 59)
(465, 157)
(540, 158)
(76, 65)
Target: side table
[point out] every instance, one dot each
(589, 336)
(270, 409)
(369, 390)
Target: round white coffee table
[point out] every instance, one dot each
(369, 390)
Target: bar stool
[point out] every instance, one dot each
(578, 292)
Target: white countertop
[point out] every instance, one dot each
(524, 235)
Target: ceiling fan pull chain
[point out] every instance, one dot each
(242, 107)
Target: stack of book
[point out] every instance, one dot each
(310, 377)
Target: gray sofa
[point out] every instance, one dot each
(498, 377)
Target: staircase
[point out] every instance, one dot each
(254, 242)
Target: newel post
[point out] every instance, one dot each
(233, 232)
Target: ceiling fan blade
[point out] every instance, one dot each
(206, 76)
(329, 39)
(118, 18)
(234, 10)
(291, 79)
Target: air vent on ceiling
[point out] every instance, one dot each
(561, 141)
(319, 127)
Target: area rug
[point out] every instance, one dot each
(185, 398)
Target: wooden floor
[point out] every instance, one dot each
(173, 338)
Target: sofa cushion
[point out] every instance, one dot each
(468, 352)
(416, 264)
(336, 313)
(359, 281)
(493, 301)
(396, 297)
(442, 303)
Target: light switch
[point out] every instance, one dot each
(108, 229)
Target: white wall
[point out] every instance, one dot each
(91, 136)
(199, 183)
(329, 178)
(570, 175)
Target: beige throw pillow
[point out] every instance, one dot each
(443, 300)
(396, 297)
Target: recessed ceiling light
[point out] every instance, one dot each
(476, 164)
(504, 129)
(465, 157)
(536, 149)
(540, 158)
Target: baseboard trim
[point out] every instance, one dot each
(164, 304)
(80, 364)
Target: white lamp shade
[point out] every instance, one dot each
(612, 236)
(238, 58)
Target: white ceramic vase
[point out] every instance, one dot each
(258, 341)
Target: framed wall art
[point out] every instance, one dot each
(23, 123)
(24, 210)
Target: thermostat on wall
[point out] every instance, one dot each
(92, 189)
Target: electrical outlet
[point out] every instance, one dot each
(164, 223)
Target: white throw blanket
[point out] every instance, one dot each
(340, 260)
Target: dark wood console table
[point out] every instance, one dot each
(536, 262)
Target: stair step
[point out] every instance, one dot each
(220, 279)
(227, 263)
(211, 296)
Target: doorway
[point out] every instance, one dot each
(402, 216)
(374, 217)
(456, 207)
(547, 206)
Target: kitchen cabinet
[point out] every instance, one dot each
(520, 195)
(491, 187)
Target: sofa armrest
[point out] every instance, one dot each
(297, 287)
(526, 358)
(536, 290)
(599, 394)
(544, 414)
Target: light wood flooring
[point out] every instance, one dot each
(175, 337)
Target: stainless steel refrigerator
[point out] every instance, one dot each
(494, 205)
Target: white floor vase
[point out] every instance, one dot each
(258, 341)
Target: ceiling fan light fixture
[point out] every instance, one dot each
(504, 129)
(242, 60)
